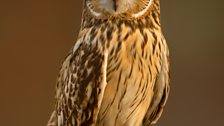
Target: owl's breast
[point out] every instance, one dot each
(129, 83)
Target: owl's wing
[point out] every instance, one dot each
(81, 85)
(161, 91)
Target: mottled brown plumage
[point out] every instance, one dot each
(117, 74)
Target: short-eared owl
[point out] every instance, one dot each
(117, 73)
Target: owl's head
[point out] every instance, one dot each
(115, 8)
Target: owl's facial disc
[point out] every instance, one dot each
(137, 8)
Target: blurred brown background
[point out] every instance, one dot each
(35, 36)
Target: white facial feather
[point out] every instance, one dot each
(90, 7)
(140, 13)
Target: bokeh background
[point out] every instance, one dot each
(35, 36)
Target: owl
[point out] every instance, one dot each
(117, 73)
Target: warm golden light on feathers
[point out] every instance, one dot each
(118, 71)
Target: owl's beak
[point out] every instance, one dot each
(115, 5)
